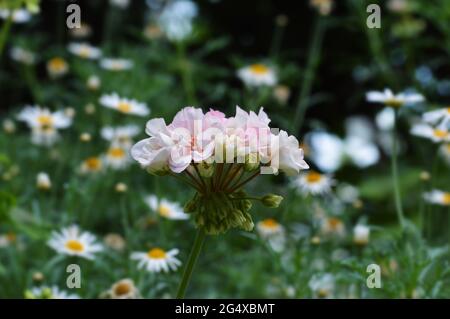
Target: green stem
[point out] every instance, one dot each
(193, 256)
(394, 165)
(185, 73)
(308, 78)
(4, 33)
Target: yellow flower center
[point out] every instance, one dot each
(446, 199)
(259, 69)
(45, 121)
(74, 245)
(313, 177)
(393, 102)
(440, 133)
(164, 210)
(334, 223)
(122, 288)
(116, 152)
(270, 223)
(448, 110)
(93, 163)
(124, 107)
(57, 64)
(157, 253)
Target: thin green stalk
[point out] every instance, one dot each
(4, 33)
(185, 73)
(308, 77)
(394, 165)
(193, 256)
(30, 79)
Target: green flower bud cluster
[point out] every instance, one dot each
(217, 212)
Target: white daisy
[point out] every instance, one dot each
(22, 55)
(323, 285)
(272, 231)
(347, 193)
(385, 119)
(440, 117)
(57, 67)
(43, 181)
(117, 157)
(93, 83)
(116, 64)
(314, 183)
(44, 123)
(256, 75)
(444, 151)
(122, 135)
(45, 292)
(71, 241)
(437, 197)
(332, 226)
(165, 208)
(157, 260)
(361, 234)
(388, 98)
(436, 135)
(124, 105)
(84, 50)
(123, 289)
(18, 15)
(176, 19)
(91, 164)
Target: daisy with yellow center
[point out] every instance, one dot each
(123, 289)
(73, 242)
(57, 67)
(122, 135)
(124, 105)
(272, 231)
(332, 226)
(439, 118)
(436, 135)
(84, 50)
(157, 260)
(256, 75)
(111, 64)
(117, 157)
(313, 183)
(388, 98)
(322, 286)
(165, 208)
(91, 165)
(438, 197)
(44, 124)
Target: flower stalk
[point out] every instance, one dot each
(395, 179)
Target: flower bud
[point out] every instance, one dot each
(43, 181)
(271, 200)
(361, 235)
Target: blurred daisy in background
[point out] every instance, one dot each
(332, 226)
(329, 152)
(123, 289)
(124, 105)
(22, 55)
(46, 292)
(57, 67)
(121, 4)
(121, 135)
(388, 98)
(313, 183)
(157, 260)
(444, 151)
(115, 241)
(257, 75)
(361, 234)
(18, 15)
(165, 208)
(72, 241)
(91, 165)
(324, 7)
(438, 197)
(116, 64)
(7, 239)
(93, 83)
(281, 93)
(439, 118)
(117, 157)
(347, 193)
(82, 32)
(44, 124)
(436, 135)
(176, 19)
(84, 50)
(43, 181)
(323, 285)
(272, 231)
(9, 126)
